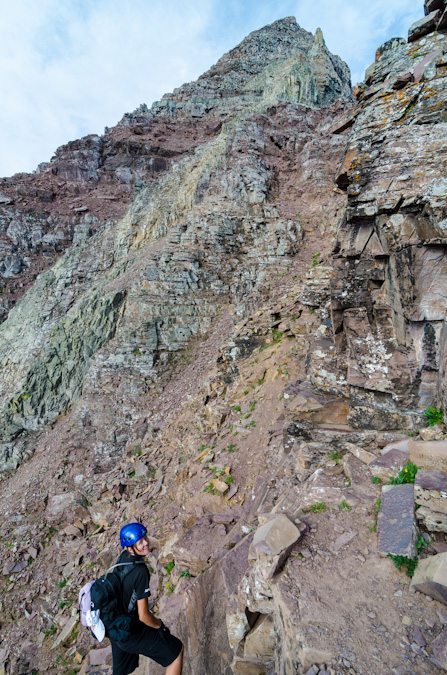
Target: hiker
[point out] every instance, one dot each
(149, 636)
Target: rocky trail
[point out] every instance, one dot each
(228, 326)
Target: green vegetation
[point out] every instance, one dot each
(232, 448)
(400, 561)
(344, 505)
(315, 260)
(407, 475)
(375, 479)
(316, 508)
(336, 456)
(373, 528)
(170, 566)
(377, 507)
(421, 543)
(228, 480)
(185, 573)
(277, 335)
(434, 416)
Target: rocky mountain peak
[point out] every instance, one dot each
(282, 57)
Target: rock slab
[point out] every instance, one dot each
(397, 526)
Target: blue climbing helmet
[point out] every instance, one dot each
(131, 533)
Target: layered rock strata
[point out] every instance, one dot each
(90, 182)
(213, 230)
(380, 358)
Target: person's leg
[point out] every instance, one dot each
(176, 666)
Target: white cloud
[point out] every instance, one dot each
(68, 68)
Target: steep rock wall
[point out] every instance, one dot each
(213, 230)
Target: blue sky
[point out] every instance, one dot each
(71, 67)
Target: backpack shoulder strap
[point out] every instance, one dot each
(131, 564)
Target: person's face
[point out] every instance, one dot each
(142, 546)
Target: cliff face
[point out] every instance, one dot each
(90, 182)
(250, 304)
(209, 231)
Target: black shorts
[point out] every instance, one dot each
(156, 643)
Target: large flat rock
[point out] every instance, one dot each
(429, 454)
(397, 526)
(430, 577)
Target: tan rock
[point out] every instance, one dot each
(434, 521)
(66, 632)
(248, 667)
(429, 454)
(361, 454)
(275, 536)
(237, 627)
(220, 485)
(260, 641)
(430, 577)
(434, 433)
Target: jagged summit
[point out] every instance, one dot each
(282, 60)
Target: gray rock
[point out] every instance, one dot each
(424, 26)
(396, 521)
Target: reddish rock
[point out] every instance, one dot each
(389, 465)
(439, 650)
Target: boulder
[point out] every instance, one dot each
(260, 641)
(66, 508)
(272, 543)
(397, 525)
(430, 577)
(424, 26)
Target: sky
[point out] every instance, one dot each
(69, 68)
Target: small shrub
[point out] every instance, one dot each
(170, 566)
(375, 479)
(229, 480)
(407, 475)
(434, 416)
(400, 561)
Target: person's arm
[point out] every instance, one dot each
(146, 616)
